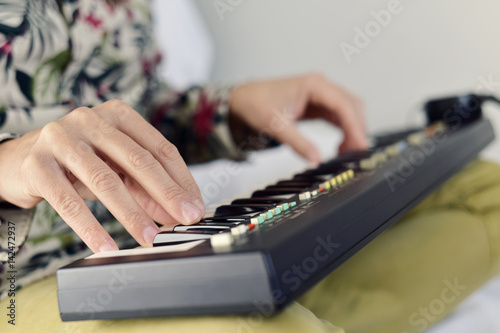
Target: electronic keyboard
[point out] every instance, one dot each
(265, 250)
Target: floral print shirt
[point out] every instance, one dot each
(57, 55)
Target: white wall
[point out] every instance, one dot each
(430, 48)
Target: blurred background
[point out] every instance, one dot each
(392, 54)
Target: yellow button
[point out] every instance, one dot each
(345, 177)
(333, 181)
(325, 185)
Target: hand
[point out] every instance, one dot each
(108, 153)
(261, 105)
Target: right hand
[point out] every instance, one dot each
(109, 153)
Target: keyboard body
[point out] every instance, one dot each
(275, 261)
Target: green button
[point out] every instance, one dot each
(261, 219)
(269, 215)
(285, 206)
(277, 210)
(293, 203)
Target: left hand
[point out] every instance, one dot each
(274, 106)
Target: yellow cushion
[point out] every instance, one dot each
(416, 272)
(37, 311)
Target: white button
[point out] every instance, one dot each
(368, 164)
(393, 150)
(304, 196)
(224, 239)
(380, 157)
(416, 139)
(239, 230)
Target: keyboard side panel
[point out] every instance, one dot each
(236, 283)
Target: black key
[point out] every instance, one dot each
(229, 219)
(236, 210)
(386, 139)
(251, 201)
(277, 192)
(328, 168)
(229, 224)
(293, 183)
(313, 178)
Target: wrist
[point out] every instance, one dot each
(4, 138)
(240, 130)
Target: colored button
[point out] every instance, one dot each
(277, 210)
(326, 185)
(293, 203)
(350, 173)
(285, 206)
(269, 215)
(393, 150)
(339, 180)
(333, 181)
(380, 157)
(345, 177)
(416, 139)
(368, 164)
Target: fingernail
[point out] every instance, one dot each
(149, 235)
(200, 205)
(109, 246)
(190, 212)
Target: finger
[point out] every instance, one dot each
(132, 124)
(288, 134)
(145, 169)
(63, 197)
(83, 190)
(107, 187)
(150, 206)
(357, 105)
(341, 113)
(154, 209)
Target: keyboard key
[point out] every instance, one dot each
(294, 183)
(251, 201)
(284, 192)
(177, 237)
(236, 210)
(229, 218)
(219, 227)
